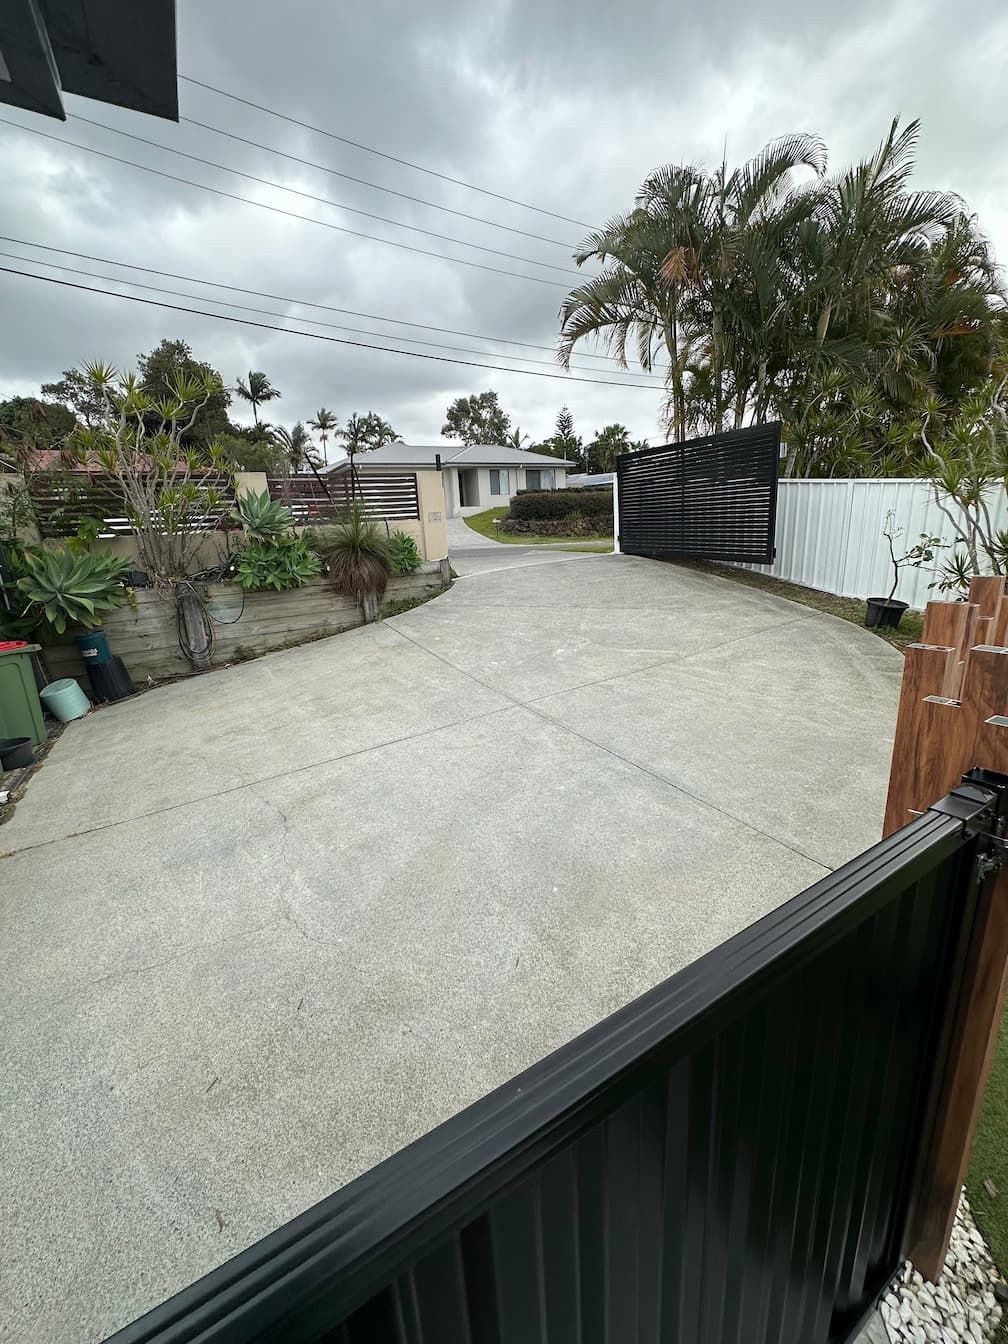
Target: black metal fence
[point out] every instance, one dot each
(711, 498)
(729, 1158)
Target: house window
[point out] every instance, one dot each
(538, 478)
(500, 482)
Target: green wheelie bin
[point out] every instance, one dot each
(20, 707)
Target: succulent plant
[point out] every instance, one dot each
(263, 519)
(73, 589)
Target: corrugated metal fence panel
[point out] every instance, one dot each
(829, 535)
(383, 495)
(711, 498)
(730, 1157)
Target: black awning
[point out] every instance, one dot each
(115, 51)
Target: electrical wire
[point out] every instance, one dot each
(324, 200)
(374, 186)
(278, 210)
(303, 303)
(317, 336)
(267, 312)
(368, 149)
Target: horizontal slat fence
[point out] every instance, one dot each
(63, 500)
(709, 498)
(382, 494)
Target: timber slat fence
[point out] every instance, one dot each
(382, 494)
(61, 501)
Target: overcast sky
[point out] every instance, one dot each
(564, 107)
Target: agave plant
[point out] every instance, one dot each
(263, 519)
(72, 589)
(359, 557)
(286, 562)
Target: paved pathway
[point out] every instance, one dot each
(262, 927)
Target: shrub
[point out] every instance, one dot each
(577, 525)
(263, 518)
(405, 556)
(286, 562)
(69, 589)
(529, 504)
(358, 554)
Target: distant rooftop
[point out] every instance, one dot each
(476, 455)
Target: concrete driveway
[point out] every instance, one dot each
(261, 928)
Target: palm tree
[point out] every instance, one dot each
(698, 261)
(380, 432)
(900, 301)
(355, 435)
(258, 390)
(516, 439)
(838, 304)
(324, 424)
(296, 445)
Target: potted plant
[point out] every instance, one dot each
(887, 611)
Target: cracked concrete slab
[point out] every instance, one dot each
(261, 928)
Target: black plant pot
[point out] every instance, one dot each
(16, 752)
(885, 612)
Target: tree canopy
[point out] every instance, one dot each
(27, 422)
(563, 442)
(160, 371)
(257, 390)
(364, 433)
(606, 446)
(839, 304)
(477, 419)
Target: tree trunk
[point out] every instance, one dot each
(718, 352)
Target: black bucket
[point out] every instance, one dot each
(16, 752)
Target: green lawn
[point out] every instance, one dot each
(990, 1161)
(484, 524)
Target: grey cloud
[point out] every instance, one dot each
(566, 107)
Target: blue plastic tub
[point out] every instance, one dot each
(65, 699)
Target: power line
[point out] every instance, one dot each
(303, 303)
(317, 336)
(324, 200)
(277, 210)
(266, 312)
(367, 149)
(375, 186)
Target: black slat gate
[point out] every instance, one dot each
(731, 1157)
(712, 498)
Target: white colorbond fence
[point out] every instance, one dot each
(829, 536)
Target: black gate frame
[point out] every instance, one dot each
(708, 498)
(441, 1241)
